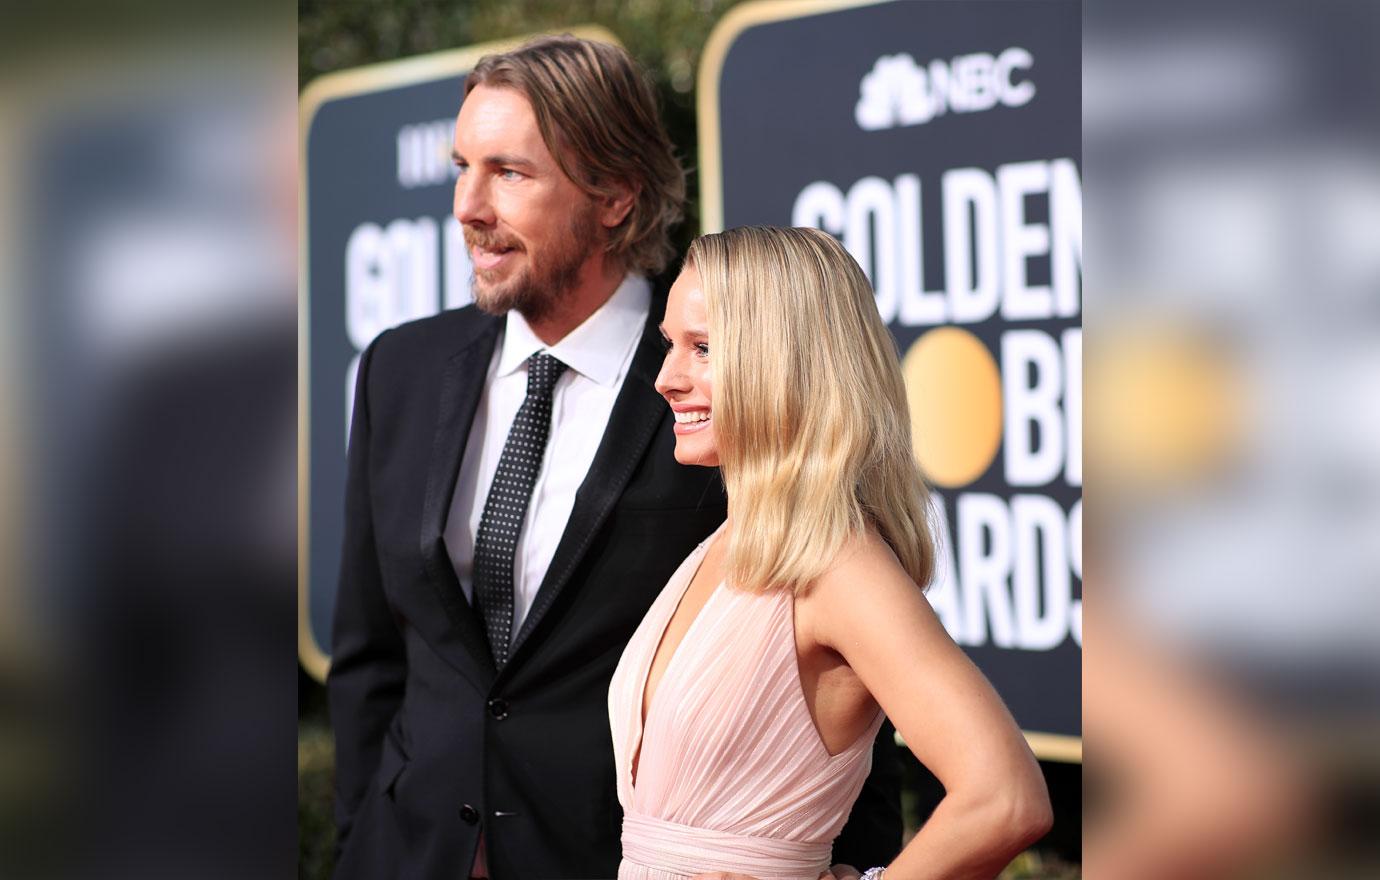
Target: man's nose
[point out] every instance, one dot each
(472, 204)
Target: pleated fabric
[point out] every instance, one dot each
(732, 774)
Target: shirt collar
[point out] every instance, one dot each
(597, 348)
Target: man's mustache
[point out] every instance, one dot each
(488, 241)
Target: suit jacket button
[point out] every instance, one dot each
(498, 708)
(469, 814)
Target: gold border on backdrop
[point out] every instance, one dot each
(729, 28)
(331, 86)
(1055, 747)
(1047, 746)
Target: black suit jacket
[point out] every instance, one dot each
(433, 745)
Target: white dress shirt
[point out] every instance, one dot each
(598, 354)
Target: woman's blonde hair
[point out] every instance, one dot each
(810, 409)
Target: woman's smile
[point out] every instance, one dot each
(690, 420)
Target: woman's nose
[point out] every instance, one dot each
(672, 376)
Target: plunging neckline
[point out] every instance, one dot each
(645, 706)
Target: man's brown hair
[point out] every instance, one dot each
(598, 117)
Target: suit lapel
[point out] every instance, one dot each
(461, 388)
(636, 414)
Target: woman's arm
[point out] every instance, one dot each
(868, 610)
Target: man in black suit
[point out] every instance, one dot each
(513, 504)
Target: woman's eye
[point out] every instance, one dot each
(702, 348)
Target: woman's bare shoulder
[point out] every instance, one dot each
(865, 561)
(864, 579)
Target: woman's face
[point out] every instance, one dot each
(686, 379)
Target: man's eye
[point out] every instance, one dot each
(510, 174)
(461, 167)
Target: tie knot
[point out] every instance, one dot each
(542, 372)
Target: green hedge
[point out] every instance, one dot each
(315, 782)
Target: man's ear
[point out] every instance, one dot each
(614, 206)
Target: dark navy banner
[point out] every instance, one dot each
(940, 142)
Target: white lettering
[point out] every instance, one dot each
(391, 276)
(1066, 225)
(972, 284)
(943, 592)
(1037, 523)
(984, 563)
(1022, 240)
(1076, 563)
(1072, 344)
(367, 284)
(1033, 457)
(1014, 94)
(987, 241)
(870, 237)
(1013, 573)
(424, 154)
(820, 205)
(975, 90)
(918, 306)
(413, 245)
(897, 91)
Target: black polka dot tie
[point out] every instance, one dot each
(495, 546)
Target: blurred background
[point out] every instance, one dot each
(147, 445)
(147, 440)
(1233, 438)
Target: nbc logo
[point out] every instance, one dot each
(898, 92)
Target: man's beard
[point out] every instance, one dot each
(539, 288)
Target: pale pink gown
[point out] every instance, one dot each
(733, 775)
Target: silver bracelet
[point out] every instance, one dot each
(873, 874)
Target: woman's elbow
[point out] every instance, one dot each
(1035, 817)
(1015, 812)
(1028, 814)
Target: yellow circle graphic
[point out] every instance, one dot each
(954, 388)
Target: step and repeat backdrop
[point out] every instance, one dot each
(938, 140)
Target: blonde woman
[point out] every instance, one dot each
(745, 705)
